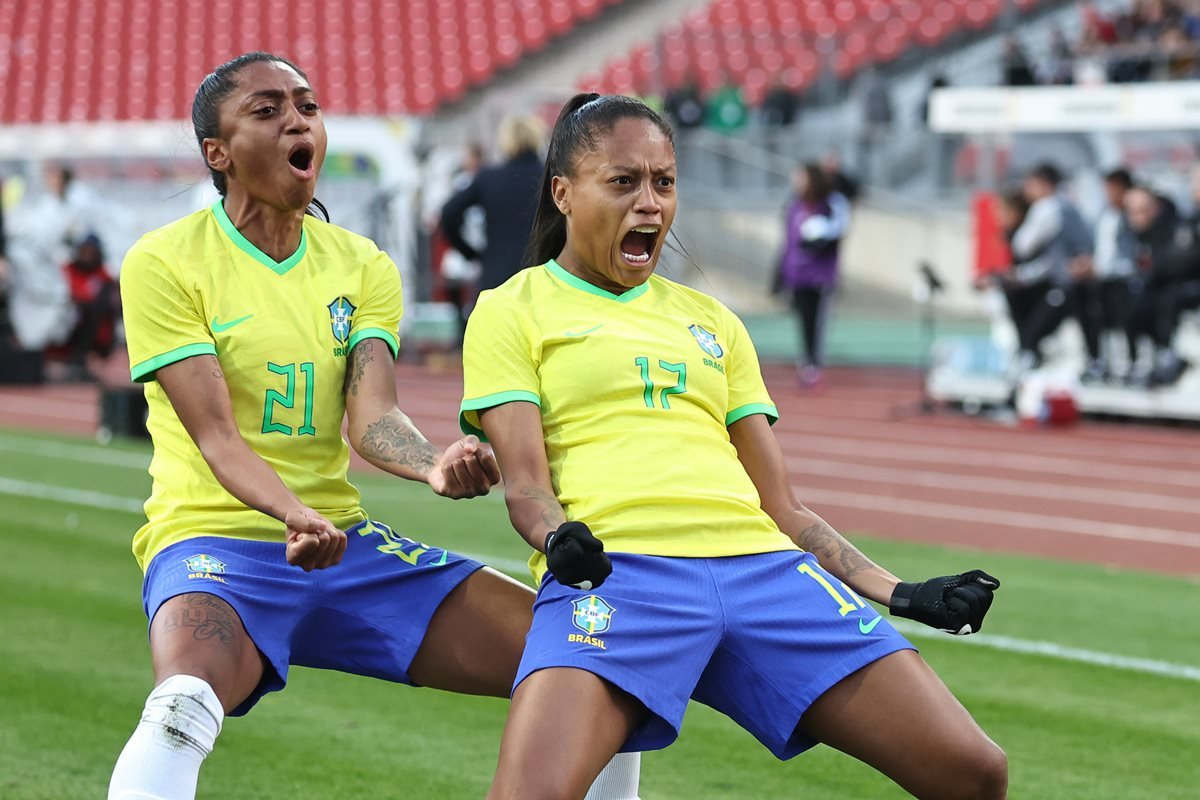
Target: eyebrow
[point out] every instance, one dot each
(637, 170)
(277, 94)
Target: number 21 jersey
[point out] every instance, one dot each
(281, 332)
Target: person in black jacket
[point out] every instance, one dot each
(1169, 260)
(507, 193)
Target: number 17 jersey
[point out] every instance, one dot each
(281, 332)
(636, 394)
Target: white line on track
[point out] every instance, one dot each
(1009, 644)
(990, 459)
(991, 516)
(1007, 487)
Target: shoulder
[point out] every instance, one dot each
(704, 308)
(166, 244)
(328, 236)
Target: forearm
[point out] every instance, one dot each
(392, 443)
(840, 558)
(533, 510)
(246, 476)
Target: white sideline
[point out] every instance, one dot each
(83, 497)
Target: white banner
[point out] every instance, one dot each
(1065, 109)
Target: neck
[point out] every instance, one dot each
(575, 265)
(275, 232)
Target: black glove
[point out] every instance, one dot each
(576, 558)
(955, 604)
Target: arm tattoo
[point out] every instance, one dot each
(207, 616)
(552, 513)
(363, 354)
(394, 440)
(829, 546)
(216, 368)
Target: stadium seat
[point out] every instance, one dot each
(142, 59)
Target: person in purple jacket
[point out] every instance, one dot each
(816, 222)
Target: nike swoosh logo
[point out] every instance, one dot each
(441, 562)
(584, 333)
(217, 326)
(867, 627)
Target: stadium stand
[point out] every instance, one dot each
(756, 42)
(100, 60)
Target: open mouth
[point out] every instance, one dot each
(638, 245)
(300, 158)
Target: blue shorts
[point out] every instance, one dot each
(366, 616)
(756, 637)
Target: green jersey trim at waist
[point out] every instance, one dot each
(143, 372)
(741, 412)
(392, 340)
(468, 419)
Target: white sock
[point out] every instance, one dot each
(179, 727)
(619, 780)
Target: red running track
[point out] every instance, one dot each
(1121, 495)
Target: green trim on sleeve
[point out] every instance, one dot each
(469, 424)
(247, 247)
(143, 372)
(393, 341)
(576, 282)
(741, 412)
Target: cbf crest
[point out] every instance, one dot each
(204, 567)
(341, 314)
(707, 341)
(592, 615)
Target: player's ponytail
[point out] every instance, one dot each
(206, 109)
(582, 120)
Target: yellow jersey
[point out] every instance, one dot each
(636, 394)
(281, 332)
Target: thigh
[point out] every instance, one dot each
(896, 715)
(200, 634)
(792, 631)
(563, 726)
(223, 610)
(474, 641)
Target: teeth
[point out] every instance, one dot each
(646, 229)
(630, 257)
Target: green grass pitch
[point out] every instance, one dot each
(75, 669)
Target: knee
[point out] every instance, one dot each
(986, 776)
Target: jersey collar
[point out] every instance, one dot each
(583, 286)
(244, 244)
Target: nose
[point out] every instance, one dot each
(296, 122)
(647, 201)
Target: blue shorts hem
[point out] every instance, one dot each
(655, 733)
(792, 743)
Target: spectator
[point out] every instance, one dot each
(1017, 69)
(685, 107)
(780, 105)
(97, 303)
(726, 112)
(507, 193)
(1041, 290)
(839, 180)
(1154, 221)
(1112, 270)
(461, 274)
(816, 222)
(40, 233)
(1060, 69)
(1169, 258)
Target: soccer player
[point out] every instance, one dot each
(256, 327)
(632, 427)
